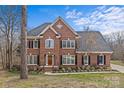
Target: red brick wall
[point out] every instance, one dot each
(65, 33)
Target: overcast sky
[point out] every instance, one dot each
(99, 18)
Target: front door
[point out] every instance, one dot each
(49, 59)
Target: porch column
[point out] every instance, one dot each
(46, 62)
(52, 59)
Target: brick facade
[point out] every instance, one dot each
(65, 33)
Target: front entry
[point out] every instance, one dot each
(49, 60)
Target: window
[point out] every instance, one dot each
(32, 59)
(100, 59)
(68, 59)
(49, 43)
(86, 59)
(68, 43)
(32, 44)
(35, 43)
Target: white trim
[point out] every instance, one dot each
(92, 52)
(46, 63)
(33, 37)
(46, 29)
(65, 24)
(49, 66)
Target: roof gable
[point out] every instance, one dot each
(59, 18)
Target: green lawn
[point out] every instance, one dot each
(8, 79)
(117, 62)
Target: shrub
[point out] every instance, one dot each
(14, 69)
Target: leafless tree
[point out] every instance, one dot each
(24, 71)
(9, 26)
(116, 42)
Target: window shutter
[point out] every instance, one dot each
(82, 60)
(38, 43)
(61, 60)
(104, 59)
(61, 44)
(38, 60)
(97, 59)
(31, 43)
(75, 59)
(89, 59)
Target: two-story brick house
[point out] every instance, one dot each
(53, 44)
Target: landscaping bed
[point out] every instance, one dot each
(63, 69)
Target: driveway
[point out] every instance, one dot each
(118, 67)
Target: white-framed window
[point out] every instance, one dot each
(35, 43)
(68, 43)
(86, 60)
(100, 59)
(68, 59)
(49, 43)
(32, 59)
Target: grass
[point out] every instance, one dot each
(8, 79)
(117, 62)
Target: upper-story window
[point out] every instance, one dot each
(35, 43)
(32, 44)
(49, 43)
(68, 43)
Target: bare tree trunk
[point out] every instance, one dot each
(2, 56)
(24, 70)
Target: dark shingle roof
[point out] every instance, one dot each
(92, 41)
(36, 31)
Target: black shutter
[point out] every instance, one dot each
(104, 59)
(61, 60)
(97, 59)
(89, 59)
(82, 60)
(75, 59)
(38, 43)
(31, 43)
(61, 44)
(38, 60)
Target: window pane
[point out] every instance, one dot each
(35, 59)
(35, 44)
(72, 43)
(85, 59)
(68, 43)
(51, 43)
(63, 59)
(68, 59)
(72, 59)
(101, 60)
(64, 44)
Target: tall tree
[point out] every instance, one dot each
(24, 71)
(9, 26)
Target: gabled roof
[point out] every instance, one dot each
(60, 18)
(36, 31)
(92, 41)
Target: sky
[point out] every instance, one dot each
(105, 19)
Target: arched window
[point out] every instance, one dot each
(49, 43)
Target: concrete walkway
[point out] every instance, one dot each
(118, 67)
(49, 73)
